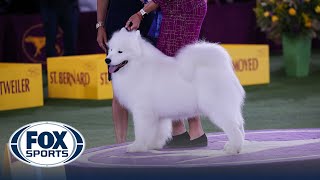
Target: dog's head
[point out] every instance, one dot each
(124, 48)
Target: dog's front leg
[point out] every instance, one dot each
(145, 126)
(163, 133)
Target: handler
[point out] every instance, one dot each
(181, 25)
(111, 17)
(117, 13)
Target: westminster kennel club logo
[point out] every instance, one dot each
(46, 144)
(34, 42)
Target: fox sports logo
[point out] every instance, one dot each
(46, 144)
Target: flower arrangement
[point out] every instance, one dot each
(293, 17)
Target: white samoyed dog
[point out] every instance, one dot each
(156, 89)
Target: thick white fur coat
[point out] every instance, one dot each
(157, 89)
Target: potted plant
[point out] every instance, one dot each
(296, 22)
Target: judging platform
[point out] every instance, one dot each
(266, 150)
(293, 153)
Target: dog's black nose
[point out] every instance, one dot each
(108, 61)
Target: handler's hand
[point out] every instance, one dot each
(135, 20)
(102, 39)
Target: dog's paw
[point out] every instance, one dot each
(156, 146)
(136, 147)
(232, 149)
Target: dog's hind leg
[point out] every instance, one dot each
(241, 125)
(222, 104)
(163, 134)
(145, 128)
(232, 129)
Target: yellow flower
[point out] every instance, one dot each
(307, 20)
(266, 14)
(305, 17)
(274, 18)
(307, 1)
(308, 24)
(292, 12)
(317, 9)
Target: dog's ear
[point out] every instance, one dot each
(138, 42)
(138, 33)
(123, 29)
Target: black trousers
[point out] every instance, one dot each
(64, 15)
(119, 11)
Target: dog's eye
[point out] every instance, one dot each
(120, 52)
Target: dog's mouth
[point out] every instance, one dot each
(115, 68)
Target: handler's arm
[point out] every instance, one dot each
(150, 6)
(137, 17)
(102, 6)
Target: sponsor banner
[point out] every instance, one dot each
(20, 86)
(79, 77)
(86, 76)
(251, 63)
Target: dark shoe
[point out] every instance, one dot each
(179, 141)
(201, 141)
(183, 141)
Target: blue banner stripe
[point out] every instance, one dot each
(78, 151)
(76, 134)
(15, 150)
(16, 136)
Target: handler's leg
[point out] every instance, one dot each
(197, 137)
(178, 128)
(120, 120)
(195, 128)
(180, 136)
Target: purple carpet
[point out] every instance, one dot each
(260, 147)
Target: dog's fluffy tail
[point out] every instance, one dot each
(195, 57)
(202, 54)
